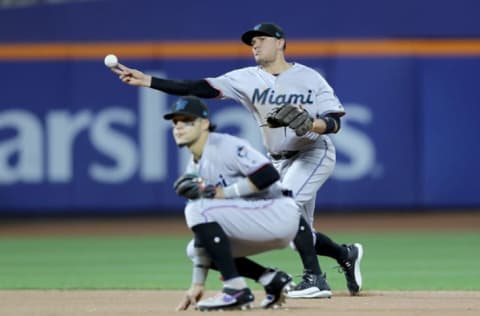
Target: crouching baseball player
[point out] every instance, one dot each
(236, 208)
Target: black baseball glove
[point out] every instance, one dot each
(193, 187)
(288, 115)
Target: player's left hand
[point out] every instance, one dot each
(193, 187)
(288, 115)
(191, 297)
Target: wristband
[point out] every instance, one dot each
(331, 125)
(240, 188)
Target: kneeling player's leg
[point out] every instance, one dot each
(274, 281)
(213, 239)
(235, 292)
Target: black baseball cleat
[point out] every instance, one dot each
(311, 286)
(228, 299)
(351, 268)
(276, 290)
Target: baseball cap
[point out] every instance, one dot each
(263, 29)
(188, 106)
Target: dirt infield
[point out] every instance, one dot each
(159, 303)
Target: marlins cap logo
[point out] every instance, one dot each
(180, 105)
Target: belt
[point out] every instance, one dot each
(288, 193)
(284, 154)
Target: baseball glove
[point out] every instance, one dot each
(288, 115)
(193, 187)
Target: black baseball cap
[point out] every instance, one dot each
(188, 106)
(263, 29)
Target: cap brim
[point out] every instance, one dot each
(170, 116)
(248, 35)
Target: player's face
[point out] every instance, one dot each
(265, 49)
(186, 129)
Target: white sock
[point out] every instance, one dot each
(237, 283)
(266, 277)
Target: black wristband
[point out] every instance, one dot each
(331, 125)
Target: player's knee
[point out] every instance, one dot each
(191, 249)
(192, 206)
(193, 212)
(197, 254)
(292, 245)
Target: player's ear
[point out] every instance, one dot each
(282, 43)
(205, 124)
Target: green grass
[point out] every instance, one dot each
(408, 261)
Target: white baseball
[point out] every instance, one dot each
(111, 61)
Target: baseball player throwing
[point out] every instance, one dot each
(295, 108)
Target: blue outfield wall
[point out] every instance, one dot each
(74, 139)
(111, 20)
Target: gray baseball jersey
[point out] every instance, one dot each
(260, 92)
(263, 221)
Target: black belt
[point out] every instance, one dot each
(288, 193)
(284, 154)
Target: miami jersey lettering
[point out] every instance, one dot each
(260, 92)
